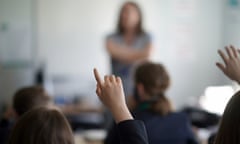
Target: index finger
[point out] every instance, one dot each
(235, 53)
(97, 76)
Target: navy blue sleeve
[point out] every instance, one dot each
(132, 132)
(112, 135)
(4, 131)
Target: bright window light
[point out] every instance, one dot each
(215, 98)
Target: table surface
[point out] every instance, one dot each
(79, 139)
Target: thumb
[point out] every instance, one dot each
(98, 91)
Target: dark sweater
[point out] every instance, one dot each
(5, 128)
(132, 132)
(174, 128)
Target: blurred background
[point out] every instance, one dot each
(58, 42)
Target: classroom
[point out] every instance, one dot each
(119, 71)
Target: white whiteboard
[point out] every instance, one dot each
(186, 35)
(15, 31)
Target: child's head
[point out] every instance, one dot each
(28, 98)
(42, 125)
(152, 80)
(229, 130)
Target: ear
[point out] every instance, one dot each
(141, 91)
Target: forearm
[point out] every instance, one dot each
(128, 54)
(121, 113)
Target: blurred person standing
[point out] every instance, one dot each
(129, 45)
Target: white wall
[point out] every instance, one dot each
(15, 46)
(232, 22)
(186, 34)
(15, 30)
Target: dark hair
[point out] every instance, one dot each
(229, 130)
(42, 125)
(156, 81)
(30, 97)
(139, 29)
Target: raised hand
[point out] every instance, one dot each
(232, 63)
(110, 92)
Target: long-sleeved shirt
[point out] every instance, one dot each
(132, 132)
(174, 128)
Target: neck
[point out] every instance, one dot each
(129, 35)
(130, 32)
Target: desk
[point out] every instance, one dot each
(90, 137)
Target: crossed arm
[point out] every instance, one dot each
(127, 54)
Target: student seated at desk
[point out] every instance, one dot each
(49, 126)
(42, 125)
(24, 100)
(163, 125)
(229, 129)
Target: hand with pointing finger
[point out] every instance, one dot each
(232, 63)
(110, 92)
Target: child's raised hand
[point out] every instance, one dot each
(232, 63)
(110, 92)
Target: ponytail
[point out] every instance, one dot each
(162, 105)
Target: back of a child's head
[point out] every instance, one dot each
(28, 98)
(153, 76)
(229, 129)
(155, 80)
(42, 125)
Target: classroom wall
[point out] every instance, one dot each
(232, 22)
(68, 35)
(16, 51)
(186, 36)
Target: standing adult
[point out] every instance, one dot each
(129, 45)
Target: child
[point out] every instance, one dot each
(49, 126)
(23, 100)
(229, 129)
(153, 107)
(110, 91)
(229, 134)
(42, 125)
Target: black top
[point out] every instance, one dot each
(172, 129)
(129, 132)
(5, 128)
(132, 132)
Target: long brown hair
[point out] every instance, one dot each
(156, 81)
(139, 28)
(229, 130)
(42, 126)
